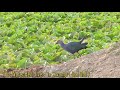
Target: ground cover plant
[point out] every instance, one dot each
(28, 38)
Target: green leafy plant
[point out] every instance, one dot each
(28, 38)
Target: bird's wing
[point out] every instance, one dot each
(74, 46)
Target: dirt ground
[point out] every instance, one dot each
(101, 64)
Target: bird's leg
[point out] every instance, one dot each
(74, 56)
(79, 53)
(69, 55)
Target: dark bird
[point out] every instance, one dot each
(73, 47)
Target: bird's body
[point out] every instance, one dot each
(73, 47)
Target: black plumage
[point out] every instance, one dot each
(73, 47)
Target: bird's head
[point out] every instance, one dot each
(59, 42)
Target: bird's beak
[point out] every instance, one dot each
(56, 42)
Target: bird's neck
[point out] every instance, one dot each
(62, 44)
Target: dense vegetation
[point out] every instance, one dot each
(28, 38)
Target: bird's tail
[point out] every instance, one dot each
(84, 45)
(82, 40)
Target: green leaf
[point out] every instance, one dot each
(22, 63)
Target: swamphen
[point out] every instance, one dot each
(73, 47)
